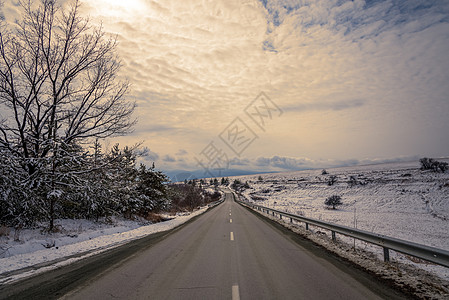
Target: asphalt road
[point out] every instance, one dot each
(227, 253)
(230, 253)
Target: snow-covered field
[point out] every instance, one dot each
(76, 239)
(397, 200)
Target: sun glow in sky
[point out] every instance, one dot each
(357, 81)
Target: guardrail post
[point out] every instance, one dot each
(386, 255)
(291, 220)
(334, 238)
(280, 216)
(307, 226)
(273, 213)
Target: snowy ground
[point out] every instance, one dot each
(396, 200)
(76, 239)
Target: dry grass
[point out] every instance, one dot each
(154, 218)
(4, 231)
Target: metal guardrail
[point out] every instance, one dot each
(431, 254)
(215, 203)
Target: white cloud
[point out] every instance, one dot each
(181, 152)
(148, 155)
(239, 162)
(169, 158)
(355, 79)
(284, 163)
(383, 63)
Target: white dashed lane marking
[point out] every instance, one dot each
(232, 236)
(235, 292)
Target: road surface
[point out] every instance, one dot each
(227, 253)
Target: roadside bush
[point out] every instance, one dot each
(434, 165)
(185, 196)
(236, 184)
(352, 180)
(188, 196)
(211, 197)
(332, 179)
(239, 186)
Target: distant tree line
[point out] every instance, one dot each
(78, 183)
(239, 186)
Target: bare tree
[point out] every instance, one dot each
(58, 89)
(334, 200)
(58, 82)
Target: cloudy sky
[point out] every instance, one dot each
(342, 82)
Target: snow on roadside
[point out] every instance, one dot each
(94, 238)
